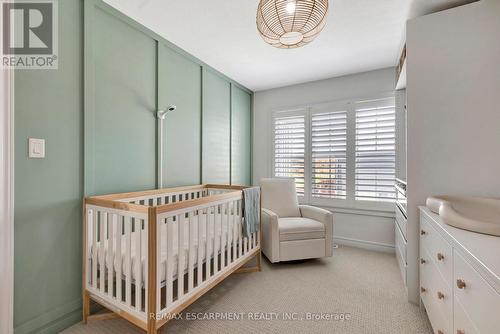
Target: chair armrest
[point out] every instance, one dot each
(312, 212)
(270, 235)
(323, 216)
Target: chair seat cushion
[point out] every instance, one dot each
(299, 228)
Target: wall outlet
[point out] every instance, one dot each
(36, 148)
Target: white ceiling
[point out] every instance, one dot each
(360, 35)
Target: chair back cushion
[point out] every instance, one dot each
(279, 196)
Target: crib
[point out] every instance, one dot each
(148, 255)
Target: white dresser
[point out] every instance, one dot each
(459, 277)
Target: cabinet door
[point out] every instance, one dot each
(179, 84)
(216, 129)
(241, 137)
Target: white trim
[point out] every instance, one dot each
(360, 212)
(7, 201)
(364, 244)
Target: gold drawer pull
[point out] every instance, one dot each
(461, 284)
(422, 232)
(440, 256)
(422, 261)
(459, 331)
(440, 295)
(422, 289)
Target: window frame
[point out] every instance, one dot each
(298, 111)
(342, 104)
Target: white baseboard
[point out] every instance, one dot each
(365, 244)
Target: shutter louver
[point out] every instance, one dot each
(375, 151)
(289, 149)
(329, 144)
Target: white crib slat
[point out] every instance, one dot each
(235, 230)
(169, 271)
(94, 249)
(138, 264)
(128, 262)
(191, 252)
(180, 256)
(240, 236)
(217, 216)
(159, 278)
(207, 242)
(144, 232)
(229, 232)
(88, 247)
(111, 224)
(102, 239)
(200, 247)
(118, 257)
(222, 228)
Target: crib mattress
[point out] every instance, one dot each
(188, 228)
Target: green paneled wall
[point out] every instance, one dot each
(97, 114)
(180, 85)
(241, 136)
(121, 123)
(48, 192)
(216, 129)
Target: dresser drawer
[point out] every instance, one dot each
(401, 252)
(436, 292)
(401, 222)
(461, 321)
(479, 300)
(400, 243)
(438, 249)
(438, 322)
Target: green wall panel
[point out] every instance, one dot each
(122, 123)
(48, 192)
(241, 136)
(179, 81)
(216, 129)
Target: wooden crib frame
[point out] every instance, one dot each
(153, 305)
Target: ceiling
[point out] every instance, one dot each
(360, 35)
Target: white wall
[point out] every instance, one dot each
(371, 231)
(453, 92)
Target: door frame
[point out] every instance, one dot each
(7, 200)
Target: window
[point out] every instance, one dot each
(375, 150)
(340, 154)
(328, 155)
(289, 149)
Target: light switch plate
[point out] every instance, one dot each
(36, 148)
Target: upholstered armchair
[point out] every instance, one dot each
(291, 231)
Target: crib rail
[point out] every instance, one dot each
(209, 239)
(150, 254)
(112, 274)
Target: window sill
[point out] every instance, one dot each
(386, 213)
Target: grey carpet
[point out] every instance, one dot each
(363, 284)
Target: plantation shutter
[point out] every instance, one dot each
(328, 155)
(375, 164)
(289, 149)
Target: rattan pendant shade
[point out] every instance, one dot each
(290, 24)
